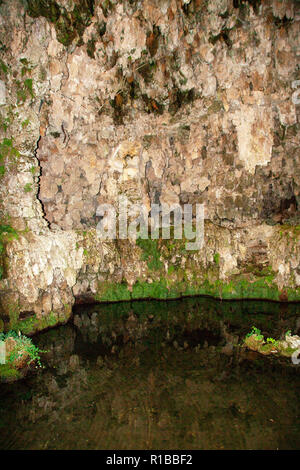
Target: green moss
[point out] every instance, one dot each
(12, 310)
(194, 278)
(27, 326)
(7, 233)
(240, 289)
(3, 67)
(217, 258)
(8, 154)
(176, 284)
(171, 269)
(150, 254)
(32, 324)
(24, 90)
(68, 25)
(256, 342)
(112, 292)
(28, 188)
(9, 373)
(287, 352)
(25, 123)
(154, 290)
(293, 295)
(48, 9)
(28, 85)
(65, 31)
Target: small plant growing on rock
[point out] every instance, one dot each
(217, 258)
(20, 351)
(8, 154)
(273, 341)
(256, 341)
(27, 188)
(255, 331)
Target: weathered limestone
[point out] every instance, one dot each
(170, 102)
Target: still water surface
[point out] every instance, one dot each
(158, 375)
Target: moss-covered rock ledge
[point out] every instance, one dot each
(45, 274)
(241, 288)
(18, 355)
(226, 268)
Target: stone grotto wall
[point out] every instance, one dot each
(161, 101)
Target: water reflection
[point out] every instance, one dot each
(161, 375)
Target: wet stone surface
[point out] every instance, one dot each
(167, 375)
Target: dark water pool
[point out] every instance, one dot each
(158, 375)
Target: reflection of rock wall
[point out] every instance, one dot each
(167, 102)
(190, 323)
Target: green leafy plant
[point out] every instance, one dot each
(4, 123)
(217, 258)
(34, 170)
(24, 345)
(24, 90)
(28, 187)
(25, 123)
(28, 84)
(273, 341)
(255, 331)
(150, 253)
(7, 151)
(3, 67)
(8, 232)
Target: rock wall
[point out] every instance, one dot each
(161, 101)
